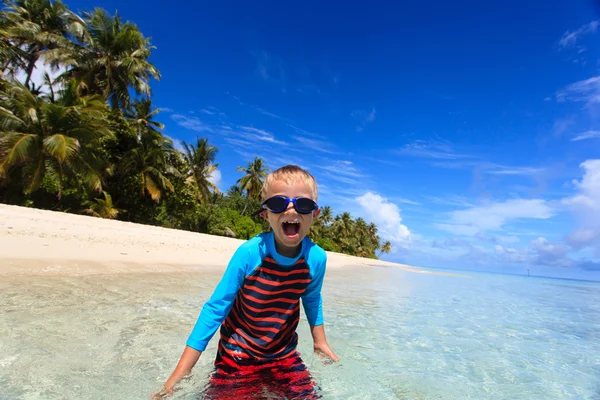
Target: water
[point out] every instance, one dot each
(400, 336)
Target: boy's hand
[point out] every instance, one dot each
(324, 349)
(162, 394)
(320, 341)
(188, 359)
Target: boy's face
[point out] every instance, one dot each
(288, 236)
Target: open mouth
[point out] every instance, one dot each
(291, 229)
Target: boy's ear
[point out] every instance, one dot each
(316, 212)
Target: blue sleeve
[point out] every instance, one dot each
(215, 310)
(311, 299)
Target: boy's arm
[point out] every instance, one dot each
(215, 310)
(320, 342)
(212, 315)
(313, 307)
(188, 359)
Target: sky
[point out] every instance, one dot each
(468, 131)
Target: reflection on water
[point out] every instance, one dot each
(400, 335)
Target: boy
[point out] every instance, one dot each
(257, 302)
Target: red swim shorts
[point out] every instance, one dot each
(282, 379)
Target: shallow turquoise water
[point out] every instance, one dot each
(400, 336)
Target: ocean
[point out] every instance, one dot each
(400, 335)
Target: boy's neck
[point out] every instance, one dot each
(289, 252)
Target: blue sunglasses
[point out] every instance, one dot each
(278, 204)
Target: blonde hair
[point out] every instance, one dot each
(289, 174)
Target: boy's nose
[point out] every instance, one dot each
(290, 206)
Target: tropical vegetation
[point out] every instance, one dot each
(89, 141)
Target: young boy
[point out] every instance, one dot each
(257, 302)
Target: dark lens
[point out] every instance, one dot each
(305, 206)
(276, 204)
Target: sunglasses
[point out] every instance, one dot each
(278, 204)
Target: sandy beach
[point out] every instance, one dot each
(41, 242)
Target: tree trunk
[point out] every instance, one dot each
(32, 59)
(245, 206)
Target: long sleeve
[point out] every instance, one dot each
(312, 299)
(217, 308)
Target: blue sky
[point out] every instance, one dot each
(468, 131)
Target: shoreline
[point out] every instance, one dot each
(43, 242)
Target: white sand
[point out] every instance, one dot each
(45, 242)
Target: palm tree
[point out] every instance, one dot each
(372, 229)
(11, 56)
(43, 135)
(361, 227)
(35, 27)
(234, 190)
(326, 216)
(252, 181)
(344, 223)
(148, 161)
(102, 208)
(109, 57)
(141, 116)
(386, 248)
(200, 162)
(320, 229)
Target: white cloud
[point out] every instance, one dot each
(552, 253)
(587, 135)
(240, 143)
(431, 149)
(250, 133)
(37, 76)
(582, 237)
(364, 117)
(450, 200)
(245, 133)
(258, 109)
(405, 201)
(192, 123)
(215, 178)
(562, 125)
(587, 91)
(489, 168)
(443, 155)
(572, 251)
(586, 207)
(588, 198)
(386, 216)
(493, 216)
(569, 39)
(305, 132)
(508, 170)
(342, 171)
(271, 69)
(317, 145)
(176, 143)
(511, 255)
(210, 110)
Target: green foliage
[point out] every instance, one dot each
(102, 207)
(82, 143)
(44, 136)
(222, 218)
(199, 166)
(326, 243)
(255, 174)
(346, 235)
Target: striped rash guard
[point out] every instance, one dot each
(257, 302)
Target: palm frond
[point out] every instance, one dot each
(61, 147)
